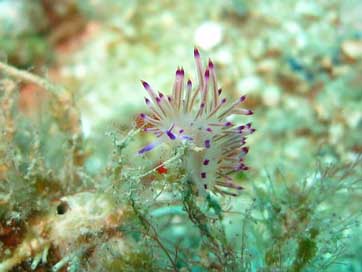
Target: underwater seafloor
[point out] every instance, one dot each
(92, 178)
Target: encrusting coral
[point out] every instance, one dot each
(66, 224)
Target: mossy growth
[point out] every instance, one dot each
(133, 262)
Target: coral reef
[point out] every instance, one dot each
(87, 183)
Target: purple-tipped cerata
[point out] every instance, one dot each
(196, 113)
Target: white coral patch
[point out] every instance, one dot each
(208, 35)
(85, 213)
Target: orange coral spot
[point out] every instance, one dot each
(140, 122)
(162, 170)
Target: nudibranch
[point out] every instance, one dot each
(200, 115)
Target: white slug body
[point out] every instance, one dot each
(199, 115)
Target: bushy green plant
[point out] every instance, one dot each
(143, 214)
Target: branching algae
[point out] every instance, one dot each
(178, 215)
